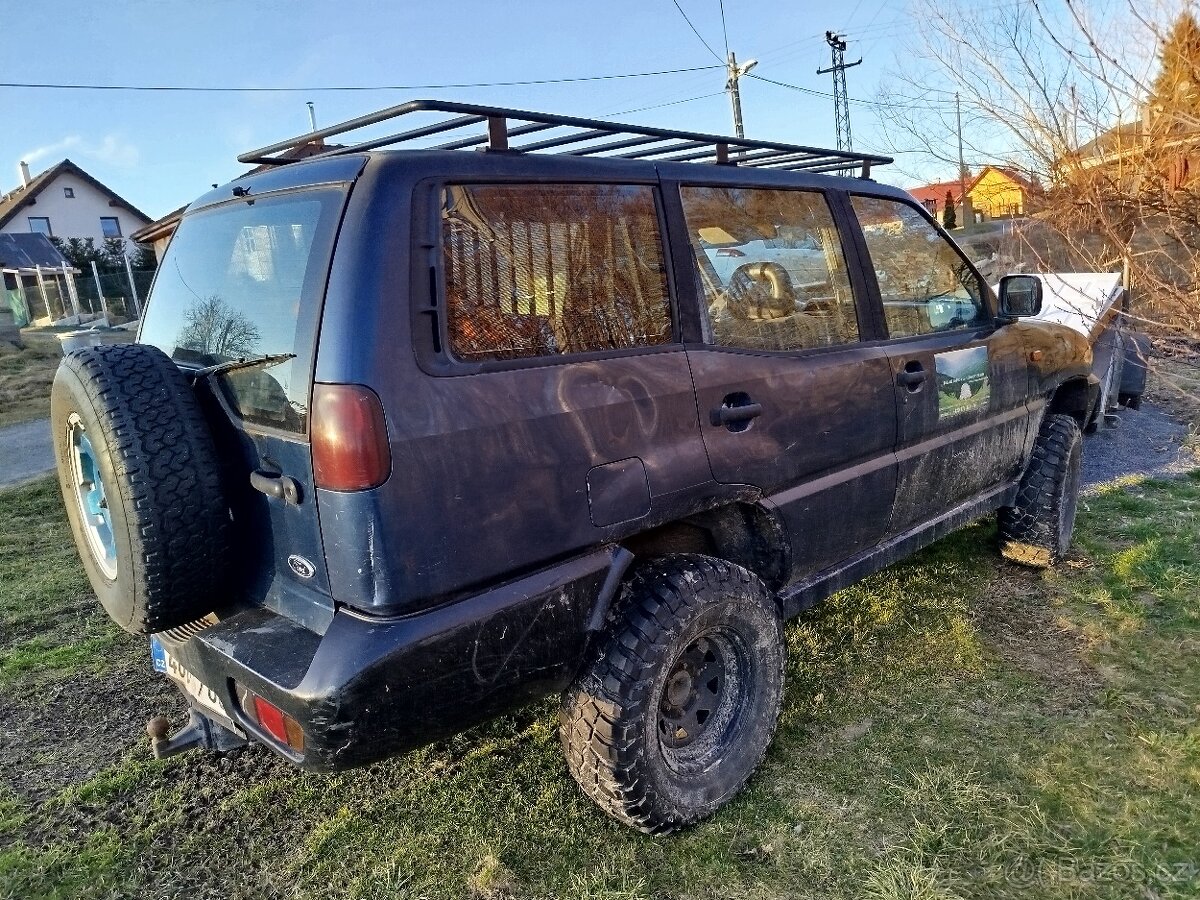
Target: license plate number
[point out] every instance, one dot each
(192, 686)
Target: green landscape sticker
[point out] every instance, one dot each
(962, 378)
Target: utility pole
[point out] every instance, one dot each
(735, 72)
(841, 100)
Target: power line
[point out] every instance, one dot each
(850, 18)
(876, 103)
(180, 88)
(724, 30)
(625, 112)
(696, 33)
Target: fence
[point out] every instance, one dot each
(110, 296)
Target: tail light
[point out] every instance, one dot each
(349, 438)
(271, 719)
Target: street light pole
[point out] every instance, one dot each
(731, 84)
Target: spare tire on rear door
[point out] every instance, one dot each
(139, 476)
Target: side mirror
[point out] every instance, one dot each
(1020, 296)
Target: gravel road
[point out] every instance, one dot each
(25, 451)
(1146, 442)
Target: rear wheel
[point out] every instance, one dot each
(677, 707)
(1036, 530)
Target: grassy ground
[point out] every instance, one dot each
(25, 377)
(954, 727)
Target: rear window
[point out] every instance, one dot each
(243, 280)
(536, 270)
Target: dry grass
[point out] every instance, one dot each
(25, 378)
(1175, 385)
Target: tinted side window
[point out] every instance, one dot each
(545, 270)
(925, 284)
(770, 266)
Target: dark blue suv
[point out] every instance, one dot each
(413, 435)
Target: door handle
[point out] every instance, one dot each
(912, 377)
(281, 487)
(732, 415)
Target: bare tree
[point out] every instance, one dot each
(214, 328)
(1100, 103)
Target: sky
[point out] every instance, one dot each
(161, 149)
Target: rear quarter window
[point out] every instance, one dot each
(547, 270)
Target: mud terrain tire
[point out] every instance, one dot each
(680, 699)
(1036, 530)
(140, 480)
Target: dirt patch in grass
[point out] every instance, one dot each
(1020, 624)
(25, 378)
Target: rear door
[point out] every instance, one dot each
(793, 397)
(243, 279)
(960, 381)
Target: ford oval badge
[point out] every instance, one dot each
(301, 566)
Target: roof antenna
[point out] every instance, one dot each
(312, 115)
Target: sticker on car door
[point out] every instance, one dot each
(962, 379)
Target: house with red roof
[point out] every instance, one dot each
(933, 196)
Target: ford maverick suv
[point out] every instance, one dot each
(507, 404)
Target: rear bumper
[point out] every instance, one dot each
(370, 687)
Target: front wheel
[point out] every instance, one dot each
(680, 700)
(1036, 530)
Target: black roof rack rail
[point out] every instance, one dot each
(505, 130)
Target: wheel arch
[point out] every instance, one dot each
(1075, 397)
(750, 535)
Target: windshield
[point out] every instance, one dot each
(245, 280)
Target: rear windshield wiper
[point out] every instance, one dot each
(246, 362)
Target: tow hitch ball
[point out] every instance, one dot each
(200, 732)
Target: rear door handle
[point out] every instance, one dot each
(727, 415)
(281, 487)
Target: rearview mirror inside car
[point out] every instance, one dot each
(1020, 296)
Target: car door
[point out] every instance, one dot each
(960, 380)
(792, 399)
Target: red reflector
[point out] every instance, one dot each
(349, 438)
(271, 719)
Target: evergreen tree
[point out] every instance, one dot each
(1176, 89)
(81, 253)
(114, 251)
(949, 216)
(143, 258)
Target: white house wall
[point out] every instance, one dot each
(73, 217)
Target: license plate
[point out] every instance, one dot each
(192, 686)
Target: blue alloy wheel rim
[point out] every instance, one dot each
(92, 499)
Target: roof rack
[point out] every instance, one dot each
(568, 135)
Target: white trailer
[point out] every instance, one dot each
(1093, 304)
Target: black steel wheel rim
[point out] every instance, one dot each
(702, 700)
